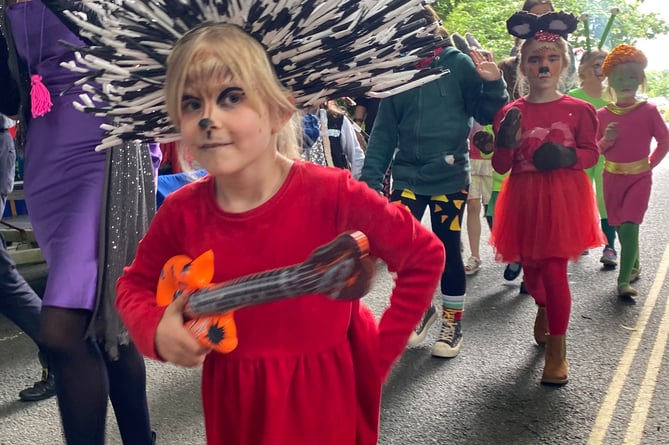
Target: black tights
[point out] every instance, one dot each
(86, 378)
(445, 217)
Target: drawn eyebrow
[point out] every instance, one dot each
(230, 90)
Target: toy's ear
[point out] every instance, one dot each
(522, 24)
(560, 23)
(460, 43)
(475, 45)
(473, 42)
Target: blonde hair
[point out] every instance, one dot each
(216, 51)
(588, 59)
(522, 85)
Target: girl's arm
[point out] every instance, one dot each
(157, 332)
(587, 151)
(661, 135)
(502, 158)
(660, 151)
(608, 138)
(412, 253)
(351, 147)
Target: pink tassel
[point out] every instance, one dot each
(39, 96)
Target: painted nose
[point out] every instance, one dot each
(205, 123)
(542, 70)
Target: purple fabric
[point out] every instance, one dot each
(64, 176)
(156, 157)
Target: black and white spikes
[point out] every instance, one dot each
(320, 48)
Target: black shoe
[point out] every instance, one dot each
(511, 271)
(41, 390)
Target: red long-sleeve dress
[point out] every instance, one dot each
(547, 214)
(307, 370)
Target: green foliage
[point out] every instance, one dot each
(658, 83)
(486, 20)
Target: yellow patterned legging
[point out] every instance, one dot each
(445, 217)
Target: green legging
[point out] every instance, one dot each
(595, 174)
(628, 233)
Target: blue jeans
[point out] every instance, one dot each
(18, 301)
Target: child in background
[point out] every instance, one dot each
(591, 91)
(429, 126)
(480, 189)
(260, 209)
(330, 139)
(545, 213)
(626, 130)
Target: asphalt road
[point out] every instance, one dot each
(489, 394)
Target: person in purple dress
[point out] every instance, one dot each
(88, 210)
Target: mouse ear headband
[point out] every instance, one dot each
(319, 49)
(546, 27)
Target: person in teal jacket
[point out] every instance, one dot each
(424, 133)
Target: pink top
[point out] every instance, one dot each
(636, 130)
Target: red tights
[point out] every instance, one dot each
(547, 282)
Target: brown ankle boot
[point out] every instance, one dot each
(556, 368)
(540, 326)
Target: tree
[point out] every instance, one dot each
(658, 83)
(486, 20)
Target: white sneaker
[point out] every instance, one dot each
(450, 340)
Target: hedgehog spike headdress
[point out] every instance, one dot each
(551, 25)
(319, 48)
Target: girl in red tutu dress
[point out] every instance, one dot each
(546, 213)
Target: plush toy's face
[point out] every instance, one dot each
(625, 80)
(542, 64)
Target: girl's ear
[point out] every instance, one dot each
(282, 116)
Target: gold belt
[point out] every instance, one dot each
(627, 168)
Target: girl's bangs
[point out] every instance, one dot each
(207, 67)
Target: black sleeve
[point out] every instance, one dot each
(9, 97)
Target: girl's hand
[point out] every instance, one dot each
(485, 66)
(510, 131)
(174, 343)
(611, 132)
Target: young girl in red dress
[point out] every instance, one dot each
(545, 213)
(306, 370)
